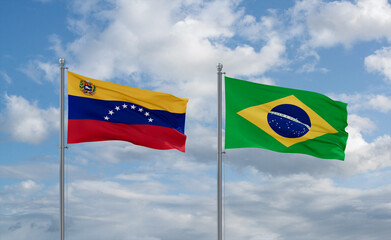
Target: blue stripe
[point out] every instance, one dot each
(122, 112)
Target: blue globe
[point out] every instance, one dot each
(289, 121)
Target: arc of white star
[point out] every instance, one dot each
(125, 106)
(146, 114)
(150, 120)
(140, 109)
(117, 108)
(107, 118)
(133, 107)
(111, 112)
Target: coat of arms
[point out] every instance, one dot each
(87, 87)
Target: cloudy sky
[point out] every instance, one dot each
(116, 190)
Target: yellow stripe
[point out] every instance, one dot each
(116, 92)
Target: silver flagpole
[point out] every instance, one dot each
(62, 217)
(219, 154)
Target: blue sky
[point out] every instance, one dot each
(116, 190)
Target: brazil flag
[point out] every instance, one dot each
(284, 120)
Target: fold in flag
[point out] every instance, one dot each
(100, 111)
(284, 120)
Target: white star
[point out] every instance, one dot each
(107, 118)
(125, 106)
(117, 108)
(140, 109)
(132, 107)
(146, 114)
(111, 112)
(150, 120)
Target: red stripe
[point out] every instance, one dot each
(144, 135)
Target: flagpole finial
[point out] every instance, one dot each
(62, 61)
(219, 67)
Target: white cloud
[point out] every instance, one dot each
(319, 23)
(39, 71)
(363, 102)
(344, 22)
(361, 124)
(301, 207)
(148, 211)
(381, 103)
(380, 62)
(135, 176)
(35, 171)
(295, 207)
(5, 76)
(244, 60)
(26, 122)
(363, 156)
(175, 48)
(24, 188)
(311, 67)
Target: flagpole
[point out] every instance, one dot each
(62, 217)
(219, 153)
